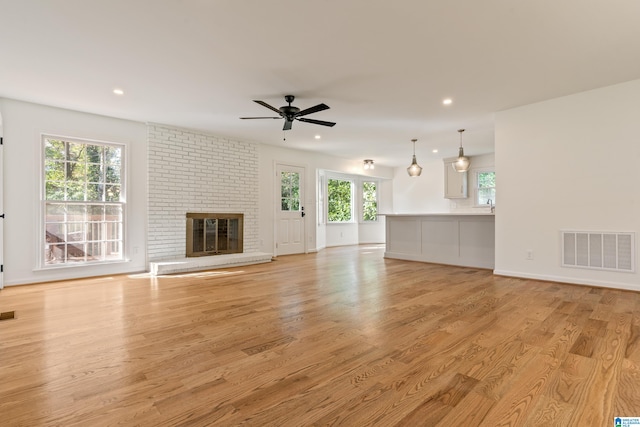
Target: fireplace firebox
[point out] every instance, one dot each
(214, 233)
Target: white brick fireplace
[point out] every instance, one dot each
(194, 172)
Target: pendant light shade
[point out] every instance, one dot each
(414, 169)
(462, 163)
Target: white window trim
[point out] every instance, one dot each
(40, 264)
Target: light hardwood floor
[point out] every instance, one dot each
(342, 337)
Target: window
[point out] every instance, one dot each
(369, 201)
(289, 191)
(339, 195)
(486, 187)
(83, 201)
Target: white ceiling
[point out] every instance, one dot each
(383, 66)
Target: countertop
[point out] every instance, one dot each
(441, 214)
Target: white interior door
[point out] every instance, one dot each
(290, 214)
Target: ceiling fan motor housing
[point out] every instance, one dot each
(289, 111)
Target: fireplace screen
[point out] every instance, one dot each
(213, 234)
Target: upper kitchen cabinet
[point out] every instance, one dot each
(455, 183)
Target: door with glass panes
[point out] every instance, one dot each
(290, 214)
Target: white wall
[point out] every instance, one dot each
(420, 194)
(23, 125)
(425, 193)
(567, 163)
(318, 235)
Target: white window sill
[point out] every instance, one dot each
(79, 265)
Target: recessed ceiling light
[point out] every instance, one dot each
(317, 136)
(447, 101)
(435, 150)
(118, 91)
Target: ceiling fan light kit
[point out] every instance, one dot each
(414, 169)
(290, 113)
(462, 162)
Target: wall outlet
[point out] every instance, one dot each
(529, 254)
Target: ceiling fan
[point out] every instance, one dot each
(290, 113)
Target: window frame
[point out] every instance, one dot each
(42, 245)
(476, 186)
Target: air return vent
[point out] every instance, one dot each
(599, 250)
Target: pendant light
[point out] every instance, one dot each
(462, 163)
(414, 169)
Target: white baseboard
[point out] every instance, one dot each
(570, 280)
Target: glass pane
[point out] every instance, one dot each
(486, 179)
(94, 231)
(295, 204)
(285, 205)
(223, 235)
(95, 250)
(112, 193)
(113, 174)
(95, 192)
(339, 200)
(113, 155)
(370, 211)
(54, 170)
(112, 251)
(94, 173)
(54, 191)
(76, 172)
(55, 212)
(113, 212)
(75, 191)
(484, 194)
(95, 212)
(54, 149)
(76, 252)
(210, 234)
(76, 213)
(75, 232)
(94, 153)
(285, 190)
(76, 152)
(55, 253)
(198, 235)
(114, 231)
(55, 233)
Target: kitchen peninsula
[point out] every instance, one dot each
(465, 239)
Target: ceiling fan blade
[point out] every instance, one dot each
(264, 104)
(287, 125)
(310, 110)
(247, 118)
(317, 122)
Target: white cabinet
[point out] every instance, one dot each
(455, 183)
(454, 239)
